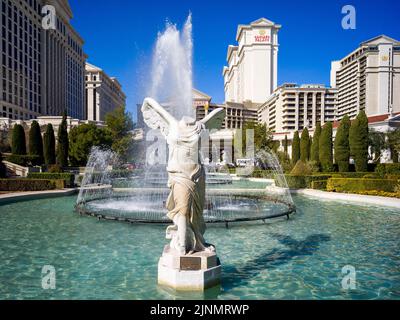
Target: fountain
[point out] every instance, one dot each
(184, 191)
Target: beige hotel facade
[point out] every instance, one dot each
(103, 93)
(42, 71)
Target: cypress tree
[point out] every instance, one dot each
(296, 148)
(325, 148)
(49, 146)
(3, 169)
(63, 143)
(36, 142)
(304, 145)
(18, 140)
(285, 148)
(358, 139)
(314, 155)
(342, 147)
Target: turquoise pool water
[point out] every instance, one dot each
(297, 259)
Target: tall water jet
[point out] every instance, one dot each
(171, 72)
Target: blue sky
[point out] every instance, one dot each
(120, 34)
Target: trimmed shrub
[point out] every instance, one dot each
(305, 145)
(63, 143)
(55, 168)
(310, 179)
(387, 168)
(372, 176)
(28, 184)
(314, 155)
(392, 176)
(342, 147)
(24, 160)
(325, 148)
(351, 185)
(3, 169)
(319, 184)
(303, 181)
(18, 145)
(295, 182)
(358, 139)
(300, 169)
(262, 174)
(69, 178)
(49, 146)
(296, 148)
(36, 142)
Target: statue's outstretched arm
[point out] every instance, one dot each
(214, 119)
(156, 117)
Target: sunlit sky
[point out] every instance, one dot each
(120, 35)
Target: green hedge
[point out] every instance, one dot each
(24, 160)
(349, 174)
(69, 178)
(387, 168)
(319, 184)
(30, 184)
(302, 182)
(360, 185)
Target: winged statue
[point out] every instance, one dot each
(186, 174)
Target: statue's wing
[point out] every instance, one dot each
(156, 117)
(214, 119)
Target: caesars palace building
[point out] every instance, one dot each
(366, 79)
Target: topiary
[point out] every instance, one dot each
(342, 147)
(296, 148)
(325, 148)
(301, 169)
(358, 139)
(3, 169)
(18, 145)
(36, 142)
(305, 145)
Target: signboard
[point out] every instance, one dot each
(262, 37)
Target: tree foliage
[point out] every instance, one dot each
(342, 147)
(296, 148)
(305, 145)
(49, 146)
(394, 144)
(119, 123)
(3, 169)
(314, 155)
(83, 138)
(18, 140)
(36, 142)
(325, 148)
(358, 139)
(377, 143)
(62, 143)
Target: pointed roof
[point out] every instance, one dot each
(92, 67)
(262, 22)
(380, 39)
(198, 95)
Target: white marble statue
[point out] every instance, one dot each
(186, 175)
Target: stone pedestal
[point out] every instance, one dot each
(194, 272)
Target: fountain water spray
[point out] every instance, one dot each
(171, 73)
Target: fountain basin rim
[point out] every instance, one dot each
(291, 209)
